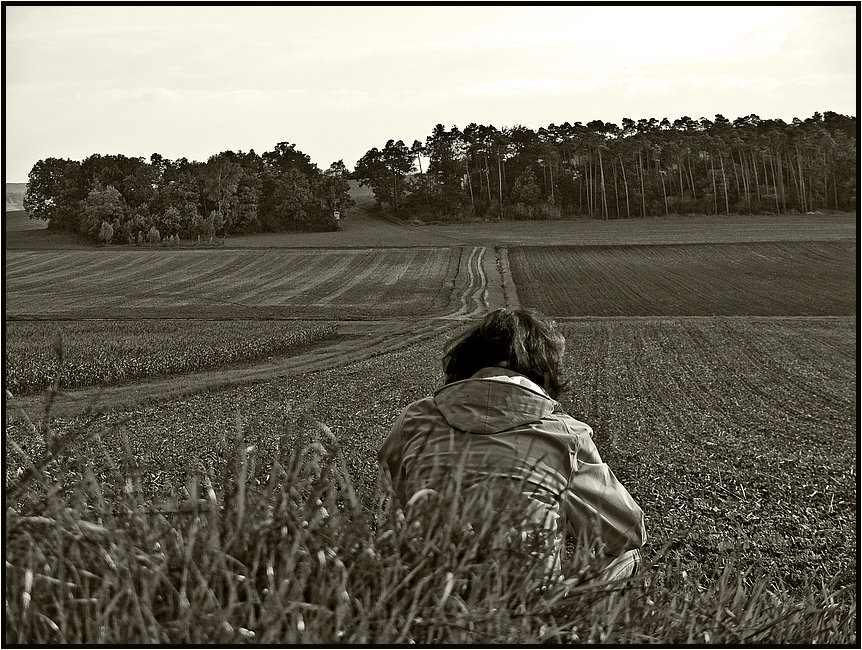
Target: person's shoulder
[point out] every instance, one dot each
(573, 426)
(420, 409)
(419, 405)
(418, 416)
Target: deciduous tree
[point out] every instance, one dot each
(101, 205)
(54, 191)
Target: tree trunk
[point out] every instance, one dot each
(604, 194)
(800, 182)
(835, 185)
(396, 193)
(784, 188)
(643, 188)
(597, 207)
(714, 186)
(805, 202)
(792, 178)
(500, 176)
(580, 193)
(663, 190)
(470, 185)
(825, 184)
(626, 185)
(735, 174)
(774, 182)
(724, 182)
(488, 179)
(691, 177)
(756, 178)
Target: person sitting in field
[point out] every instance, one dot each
(496, 419)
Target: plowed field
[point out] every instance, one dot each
(743, 279)
(282, 283)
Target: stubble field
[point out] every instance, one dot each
(720, 378)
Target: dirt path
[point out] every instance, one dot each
(358, 340)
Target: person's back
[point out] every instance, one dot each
(492, 424)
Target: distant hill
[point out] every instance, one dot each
(15, 196)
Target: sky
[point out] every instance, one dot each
(192, 81)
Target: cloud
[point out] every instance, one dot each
(525, 86)
(479, 39)
(631, 84)
(254, 96)
(147, 94)
(185, 97)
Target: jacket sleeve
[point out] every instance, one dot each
(595, 501)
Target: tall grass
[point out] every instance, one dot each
(296, 558)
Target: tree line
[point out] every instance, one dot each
(642, 168)
(124, 200)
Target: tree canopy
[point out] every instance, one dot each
(645, 167)
(158, 200)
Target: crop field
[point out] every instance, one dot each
(748, 279)
(741, 430)
(719, 375)
(359, 229)
(105, 351)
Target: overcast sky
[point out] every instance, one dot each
(191, 81)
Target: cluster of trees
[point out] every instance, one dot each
(125, 200)
(599, 169)
(602, 170)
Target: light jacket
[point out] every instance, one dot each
(499, 424)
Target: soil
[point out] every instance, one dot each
(484, 282)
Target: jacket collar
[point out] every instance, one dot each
(493, 400)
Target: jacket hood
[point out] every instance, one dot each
(493, 400)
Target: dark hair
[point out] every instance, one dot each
(529, 344)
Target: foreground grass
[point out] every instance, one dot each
(298, 559)
(709, 422)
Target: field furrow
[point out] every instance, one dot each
(220, 283)
(260, 274)
(209, 276)
(770, 279)
(279, 282)
(366, 271)
(446, 290)
(357, 266)
(704, 418)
